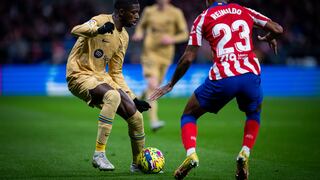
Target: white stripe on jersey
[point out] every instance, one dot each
(226, 69)
(238, 68)
(259, 22)
(199, 28)
(190, 40)
(256, 20)
(210, 77)
(247, 63)
(258, 63)
(257, 13)
(215, 70)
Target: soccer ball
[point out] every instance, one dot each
(151, 160)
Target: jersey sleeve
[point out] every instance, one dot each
(181, 28)
(115, 71)
(258, 19)
(86, 30)
(89, 28)
(195, 38)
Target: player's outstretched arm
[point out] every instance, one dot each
(274, 32)
(91, 29)
(183, 65)
(88, 29)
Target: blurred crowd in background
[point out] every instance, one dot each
(38, 31)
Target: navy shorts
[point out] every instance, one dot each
(246, 88)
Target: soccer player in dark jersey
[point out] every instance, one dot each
(235, 73)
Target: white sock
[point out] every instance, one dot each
(246, 150)
(190, 151)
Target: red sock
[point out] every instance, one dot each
(251, 130)
(189, 135)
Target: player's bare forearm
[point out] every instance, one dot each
(183, 65)
(274, 30)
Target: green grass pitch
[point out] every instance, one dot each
(54, 138)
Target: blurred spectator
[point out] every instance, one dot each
(38, 31)
(34, 31)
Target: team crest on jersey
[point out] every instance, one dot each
(98, 53)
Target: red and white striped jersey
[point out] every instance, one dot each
(228, 29)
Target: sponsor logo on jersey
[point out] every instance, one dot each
(98, 53)
(91, 23)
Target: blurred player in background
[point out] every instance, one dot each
(102, 41)
(163, 26)
(235, 74)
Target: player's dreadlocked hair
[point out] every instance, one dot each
(124, 4)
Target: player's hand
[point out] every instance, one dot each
(272, 42)
(167, 40)
(137, 37)
(108, 27)
(141, 105)
(160, 92)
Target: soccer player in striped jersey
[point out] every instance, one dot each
(235, 73)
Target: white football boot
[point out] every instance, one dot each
(101, 162)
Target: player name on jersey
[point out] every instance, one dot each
(223, 12)
(228, 29)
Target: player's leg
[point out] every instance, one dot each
(188, 123)
(153, 83)
(108, 100)
(251, 130)
(151, 72)
(209, 97)
(128, 111)
(249, 101)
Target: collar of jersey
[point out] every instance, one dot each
(215, 4)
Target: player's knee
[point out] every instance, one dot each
(136, 126)
(255, 115)
(136, 121)
(112, 97)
